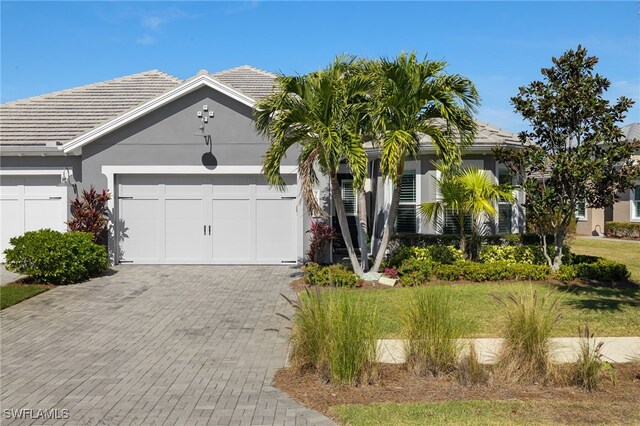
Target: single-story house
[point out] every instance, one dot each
(183, 163)
(627, 209)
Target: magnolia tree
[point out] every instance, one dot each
(575, 152)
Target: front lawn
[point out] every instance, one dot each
(13, 293)
(620, 251)
(538, 412)
(609, 311)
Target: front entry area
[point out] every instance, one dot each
(204, 219)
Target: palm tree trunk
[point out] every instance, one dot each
(463, 239)
(362, 231)
(344, 226)
(388, 226)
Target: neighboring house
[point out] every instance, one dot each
(186, 191)
(626, 209)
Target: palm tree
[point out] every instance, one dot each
(414, 100)
(467, 193)
(320, 113)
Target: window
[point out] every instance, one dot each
(503, 176)
(636, 202)
(504, 218)
(349, 198)
(407, 219)
(581, 210)
(451, 223)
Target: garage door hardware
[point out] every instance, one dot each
(125, 198)
(55, 198)
(204, 229)
(288, 198)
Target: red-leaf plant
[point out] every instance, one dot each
(322, 234)
(90, 213)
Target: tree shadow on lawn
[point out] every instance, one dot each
(599, 298)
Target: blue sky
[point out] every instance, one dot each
(499, 45)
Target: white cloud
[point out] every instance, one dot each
(146, 40)
(154, 21)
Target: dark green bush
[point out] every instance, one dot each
(334, 275)
(622, 229)
(433, 254)
(413, 279)
(448, 272)
(411, 266)
(495, 271)
(603, 270)
(48, 256)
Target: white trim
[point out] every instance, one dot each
(632, 204)
(185, 88)
(584, 218)
(43, 171)
(191, 170)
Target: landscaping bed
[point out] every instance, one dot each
(619, 404)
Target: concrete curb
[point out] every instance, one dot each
(564, 349)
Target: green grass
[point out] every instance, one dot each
(620, 251)
(609, 311)
(12, 293)
(538, 412)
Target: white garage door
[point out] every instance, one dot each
(28, 203)
(235, 219)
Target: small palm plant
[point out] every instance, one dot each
(466, 192)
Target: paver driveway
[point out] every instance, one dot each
(153, 345)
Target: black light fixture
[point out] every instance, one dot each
(204, 116)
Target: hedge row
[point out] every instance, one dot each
(422, 240)
(329, 276)
(622, 229)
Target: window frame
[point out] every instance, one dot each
(410, 172)
(634, 203)
(355, 198)
(585, 216)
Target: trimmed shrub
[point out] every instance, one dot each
(622, 229)
(529, 319)
(48, 256)
(436, 254)
(602, 270)
(413, 279)
(495, 271)
(411, 265)
(532, 255)
(449, 272)
(431, 332)
(333, 275)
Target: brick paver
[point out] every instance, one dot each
(153, 345)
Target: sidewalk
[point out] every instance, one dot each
(565, 349)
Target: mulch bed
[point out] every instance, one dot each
(396, 384)
(298, 285)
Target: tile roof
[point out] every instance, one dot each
(631, 131)
(64, 115)
(251, 81)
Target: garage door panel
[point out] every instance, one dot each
(276, 230)
(238, 186)
(139, 230)
(39, 214)
(10, 223)
(185, 187)
(231, 231)
(42, 186)
(9, 188)
(145, 187)
(184, 231)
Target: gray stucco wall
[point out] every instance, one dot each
(166, 137)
